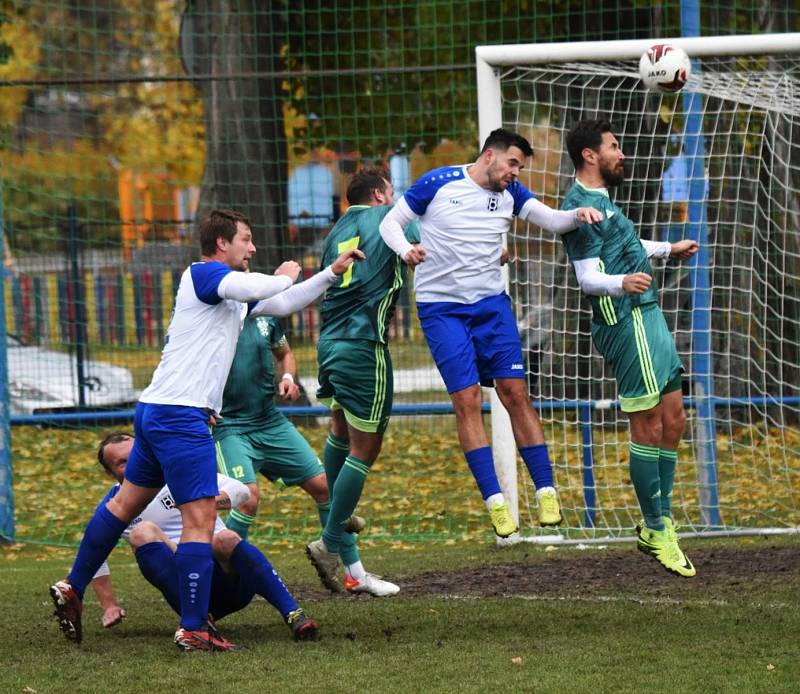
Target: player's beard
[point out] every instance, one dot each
(613, 177)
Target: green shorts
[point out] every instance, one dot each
(356, 376)
(641, 352)
(278, 451)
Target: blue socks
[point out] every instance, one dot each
(257, 575)
(538, 463)
(481, 464)
(195, 567)
(101, 535)
(157, 564)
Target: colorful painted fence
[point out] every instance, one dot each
(123, 308)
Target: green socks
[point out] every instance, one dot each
(345, 494)
(240, 523)
(667, 462)
(644, 469)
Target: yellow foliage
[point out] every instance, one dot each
(25, 46)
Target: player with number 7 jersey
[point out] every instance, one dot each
(355, 368)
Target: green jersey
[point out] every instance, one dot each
(615, 242)
(362, 304)
(248, 400)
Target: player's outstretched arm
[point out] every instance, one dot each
(255, 286)
(301, 295)
(558, 221)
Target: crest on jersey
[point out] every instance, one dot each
(494, 202)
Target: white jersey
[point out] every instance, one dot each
(201, 342)
(461, 227)
(164, 513)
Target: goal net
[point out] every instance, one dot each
(720, 163)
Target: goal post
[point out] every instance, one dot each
(734, 309)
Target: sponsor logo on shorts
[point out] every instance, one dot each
(517, 367)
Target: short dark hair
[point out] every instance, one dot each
(364, 181)
(219, 223)
(503, 139)
(586, 133)
(113, 437)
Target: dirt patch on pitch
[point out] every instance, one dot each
(595, 572)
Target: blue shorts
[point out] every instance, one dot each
(473, 343)
(173, 446)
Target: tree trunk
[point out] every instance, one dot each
(246, 148)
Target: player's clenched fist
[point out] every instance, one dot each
(415, 255)
(290, 269)
(345, 260)
(637, 283)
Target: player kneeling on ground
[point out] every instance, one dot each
(240, 571)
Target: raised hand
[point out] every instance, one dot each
(290, 268)
(345, 260)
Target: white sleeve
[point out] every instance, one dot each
(555, 221)
(657, 249)
(297, 296)
(236, 491)
(391, 228)
(596, 283)
(251, 286)
(102, 571)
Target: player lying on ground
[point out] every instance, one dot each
(629, 330)
(255, 437)
(241, 571)
(355, 371)
(465, 313)
(173, 444)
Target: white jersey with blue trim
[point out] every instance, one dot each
(164, 513)
(461, 228)
(201, 342)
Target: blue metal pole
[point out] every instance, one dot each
(6, 478)
(585, 414)
(700, 281)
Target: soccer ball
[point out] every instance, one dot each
(664, 67)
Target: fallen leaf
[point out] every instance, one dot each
(517, 660)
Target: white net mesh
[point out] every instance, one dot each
(739, 465)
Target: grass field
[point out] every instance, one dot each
(471, 618)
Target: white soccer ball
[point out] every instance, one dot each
(664, 67)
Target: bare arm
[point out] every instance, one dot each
(113, 614)
(286, 364)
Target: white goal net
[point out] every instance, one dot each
(720, 163)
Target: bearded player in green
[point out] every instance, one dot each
(355, 368)
(612, 265)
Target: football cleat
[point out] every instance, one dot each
(326, 563)
(68, 610)
(672, 534)
(549, 508)
(502, 520)
(205, 639)
(303, 628)
(657, 544)
(354, 524)
(370, 583)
